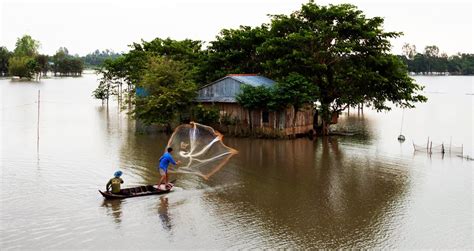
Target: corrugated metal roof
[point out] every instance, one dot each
(217, 91)
(253, 80)
(216, 99)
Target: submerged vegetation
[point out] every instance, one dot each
(431, 61)
(26, 63)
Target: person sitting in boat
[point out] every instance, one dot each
(115, 182)
(165, 160)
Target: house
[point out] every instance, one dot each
(222, 94)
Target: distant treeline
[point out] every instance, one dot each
(97, 58)
(431, 61)
(25, 61)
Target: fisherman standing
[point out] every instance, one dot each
(162, 167)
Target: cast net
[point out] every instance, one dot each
(200, 150)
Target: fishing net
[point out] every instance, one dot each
(437, 148)
(200, 150)
(456, 149)
(420, 148)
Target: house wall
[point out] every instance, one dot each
(279, 123)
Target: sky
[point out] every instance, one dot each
(84, 26)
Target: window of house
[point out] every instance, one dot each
(265, 118)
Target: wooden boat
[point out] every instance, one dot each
(136, 192)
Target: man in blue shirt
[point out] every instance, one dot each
(165, 160)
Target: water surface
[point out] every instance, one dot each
(364, 191)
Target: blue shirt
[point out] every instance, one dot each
(165, 160)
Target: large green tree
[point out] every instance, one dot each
(170, 91)
(235, 51)
(188, 52)
(26, 46)
(131, 67)
(23, 63)
(343, 53)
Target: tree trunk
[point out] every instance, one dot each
(325, 128)
(325, 115)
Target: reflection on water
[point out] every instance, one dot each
(339, 201)
(163, 213)
(364, 191)
(113, 208)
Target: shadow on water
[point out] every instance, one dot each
(113, 208)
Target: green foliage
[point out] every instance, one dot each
(4, 57)
(130, 67)
(252, 98)
(431, 61)
(97, 58)
(333, 54)
(23, 67)
(343, 53)
(23, 63)
(188, 52)
(26, 46)
(65, 64)
(43, 63)
(205, 115)
(102, 91)
(170, 90)
(294, 90)
(235, 51)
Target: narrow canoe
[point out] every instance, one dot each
(136, 191)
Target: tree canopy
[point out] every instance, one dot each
(97, 58)
(26, 46)
(65, 64)
(332, 54)
(26, 62)
(170, 91)
(343, 53)
(234, 51)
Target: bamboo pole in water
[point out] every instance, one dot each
(37, 126)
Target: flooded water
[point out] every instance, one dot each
(365, 191)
